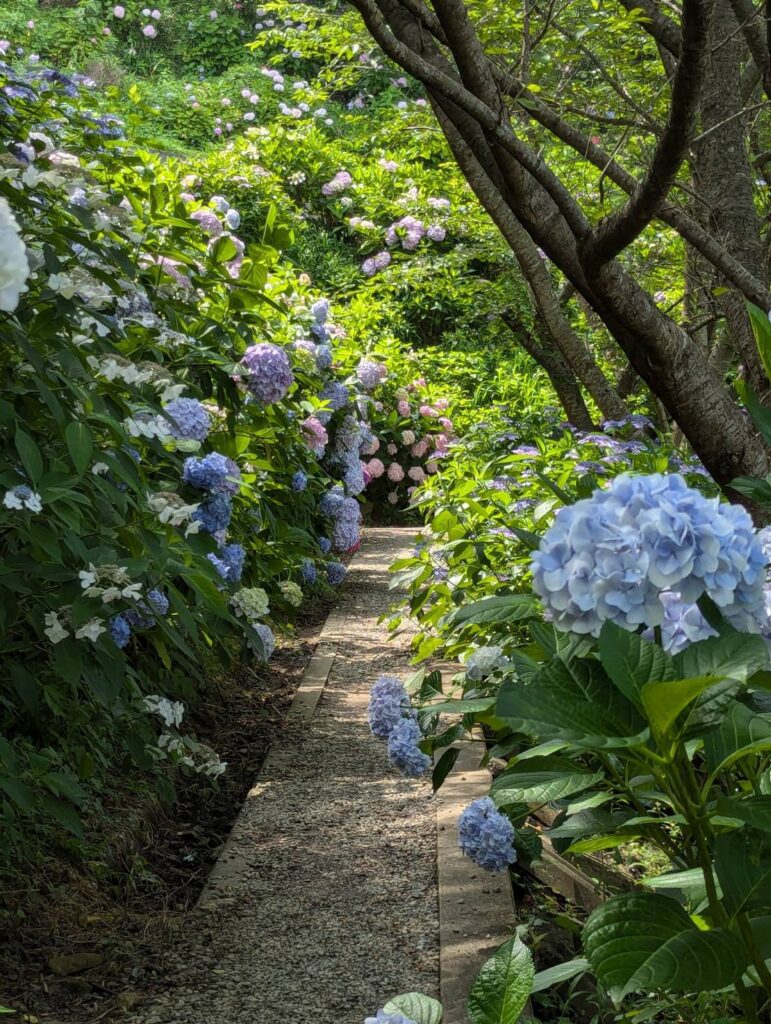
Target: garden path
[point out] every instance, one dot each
(324, 904)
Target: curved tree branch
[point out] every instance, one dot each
(664, 30)
(619, 229)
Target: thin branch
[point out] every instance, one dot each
(733, 117)
(663, 29)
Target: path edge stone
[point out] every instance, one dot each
(476, 908)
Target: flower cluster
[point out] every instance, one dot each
(388, 704)
(214, 472)
(483, 661)
(403, 749)
(251, 602)
(269, 372)
(610, 557)
(389, 1018)
(486, 836)
(370, 373)
(341, 181)
(188, 419)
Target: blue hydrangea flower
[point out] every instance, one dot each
(188, 419)
(336, 573)
(233, 219)
(345, 534)
(299, 481)
(388, 705)
(324, 356)
(230, 562)
(609, 557)
(354, 477)
(332, 501)
(320, 310)
(403, 749)
(325, 545)
(486, 836)
(214, 472)
(308, 572)
(321, 332)
(214, 513)
(270, 372)
(348, 437)
(266, 639)
(389, 1018)
(369, 374)
(335, 394)
(158, 601)
(120, 630)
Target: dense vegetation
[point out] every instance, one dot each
(260, 278)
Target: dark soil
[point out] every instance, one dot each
(118, 912)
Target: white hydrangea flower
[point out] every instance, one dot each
(100, 469)
(483, 661)
(171, 712)
(14, 266)
(171, 508)
(23, 497)
(54, 630)
(91, 630)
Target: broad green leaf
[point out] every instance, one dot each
(593, 844)
(80, 445)
(504, 609)
(503, 986)
(734, 656)
(743, 867)
(588, 822)
(631, 662)
(663, 701)
(641, 941)
(29, 453)
(461, 706)
(63, 814)
(415, 1006)
(573, 701)
(541, 780)
(754, 810)
(690, 881)
(559, 973)
(740, 732)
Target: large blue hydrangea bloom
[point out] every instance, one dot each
(270, 372)
(299, 481)
(486, 836)
(214, 472)
(214, 513)
(403, 749)
(188, 419)
(609, 557)
(332, 502)
(158, 601)
(388, 705)
(345, 534)
(120, 630)
(308, 572)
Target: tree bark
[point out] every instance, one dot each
(725, 175)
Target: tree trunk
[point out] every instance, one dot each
(725, 175)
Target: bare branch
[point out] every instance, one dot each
(664, 30)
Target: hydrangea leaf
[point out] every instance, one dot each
(491, 610)
(642, 941)
(740, 731)
(80, 445)
(542, 780)
(743, 866)
(665, 699)
(559, 973)
(503, 986)
(755, 810)
(631, 662)
(574, 701)
(735, 656)
(414, 1005)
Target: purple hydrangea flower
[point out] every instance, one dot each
(403, 749)
(188, 419)
(270, 372)
(299, 481)
(486, 836)
(325, 545)
(324, 356)
(369, 373)
(332, 501)
(320, 310)
(335, 394)
(214, 472)
(214, 513)
(345, 535)
(389, 1018)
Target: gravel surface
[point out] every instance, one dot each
(330, 901)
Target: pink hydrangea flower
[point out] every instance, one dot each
(393, 497)
(441, 403)
(419, 449)
(150, 31)
(395, 472)
(408, 437)
(446, 423)
(392, 449)
(428, 412)
(315, 435)
(373, 446)
(119, 11)
(375, 468)
(432, 467)
(403, 408)
(416, 473)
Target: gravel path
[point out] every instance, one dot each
(327, 902)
